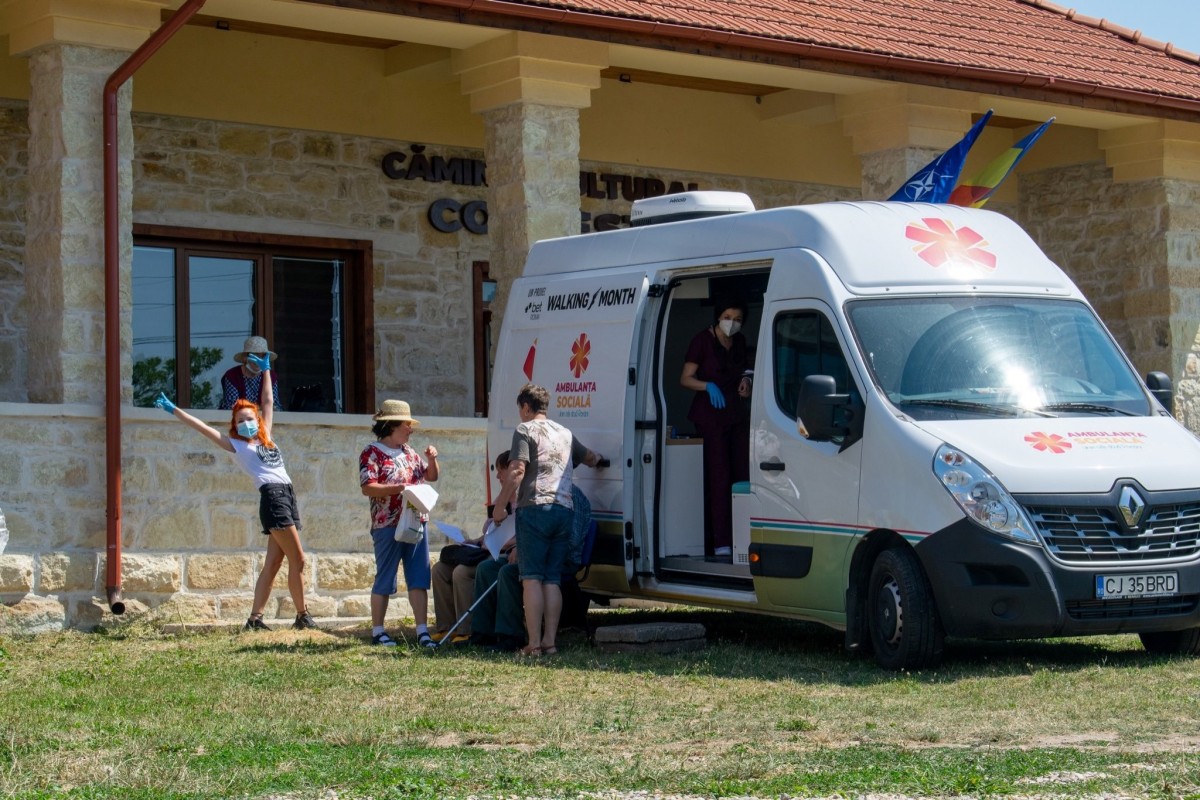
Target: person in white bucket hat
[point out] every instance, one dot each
(244, 382)
(385, 469)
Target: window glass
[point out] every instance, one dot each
(221, 304)
(307, 312)
(804, 344)
(202, 293)
(945, 357)
(153, 323)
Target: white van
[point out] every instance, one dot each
(944, 439)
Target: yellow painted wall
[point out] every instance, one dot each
(270, 80)
(14, 74)
(688, 129)
(232, 76)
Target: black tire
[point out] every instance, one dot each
(1172, 643)
(901, 614)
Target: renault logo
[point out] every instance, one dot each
(1131, 506)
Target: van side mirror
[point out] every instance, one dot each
(828, 415)
(1159, 384)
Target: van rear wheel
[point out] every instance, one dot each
(904, 626)
(1172, 643)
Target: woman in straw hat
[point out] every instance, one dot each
(385, 468)
(245, 382)
(249, 440)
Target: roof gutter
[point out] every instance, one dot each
(783, 47)
(112, 294)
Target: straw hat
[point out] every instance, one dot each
(253, 344)
(394, 410)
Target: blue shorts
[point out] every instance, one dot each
(388, 555)
(543, 538)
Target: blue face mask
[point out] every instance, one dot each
(248, 428)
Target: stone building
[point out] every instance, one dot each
(359, 181)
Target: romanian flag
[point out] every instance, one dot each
(975, 192)
(933, 183)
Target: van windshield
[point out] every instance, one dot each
(962, 357)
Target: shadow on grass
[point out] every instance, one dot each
(740, 645)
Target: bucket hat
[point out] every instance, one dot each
(253, 344)
(394, 410)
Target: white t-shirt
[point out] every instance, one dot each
(264, 464)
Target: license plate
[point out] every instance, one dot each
(1145, 584)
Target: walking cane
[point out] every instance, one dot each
(467, 613)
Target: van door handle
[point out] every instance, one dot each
(771, 466)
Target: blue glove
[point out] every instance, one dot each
(714, 395)
(263, 362)
(165, 404)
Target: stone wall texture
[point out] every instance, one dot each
(224, 176)
(14, 191)
(1134, 251)
(190, 530)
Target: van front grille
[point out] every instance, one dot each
(1137, 608)
(1086, 535)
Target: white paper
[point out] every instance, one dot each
(498, 535)
(452, 533)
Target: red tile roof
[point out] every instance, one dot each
(1031, 43)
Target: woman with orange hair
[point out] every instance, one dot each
(249, 440)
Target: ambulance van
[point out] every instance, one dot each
(945, 439)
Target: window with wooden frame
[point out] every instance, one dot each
(198, 294)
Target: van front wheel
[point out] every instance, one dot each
(905, 630)
(1172, 643)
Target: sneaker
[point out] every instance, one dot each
(255, 624)
(383, 640)
(304, 620)
(425, 640)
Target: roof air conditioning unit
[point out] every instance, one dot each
(687, 205)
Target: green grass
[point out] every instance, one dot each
(768, 708)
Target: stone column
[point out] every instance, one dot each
(1156, 166)
(529, 89)
(72, 49)
(64, 242)
(900, 129)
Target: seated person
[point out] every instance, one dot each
(454, 584)
(499, 619)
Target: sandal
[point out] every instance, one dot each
(425, 640)
(383, 640)
(550, 651)
(530, 652)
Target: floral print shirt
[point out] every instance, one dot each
(401, 466)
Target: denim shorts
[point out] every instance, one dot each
(543, 538)
(277, 507)
(388, 555)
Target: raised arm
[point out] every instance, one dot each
(267, 406)
(204, 429)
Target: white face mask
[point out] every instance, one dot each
(251, 367)
(730, 326)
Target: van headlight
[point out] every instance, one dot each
(981, 497)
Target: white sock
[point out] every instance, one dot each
(422, 629)
(378, 629)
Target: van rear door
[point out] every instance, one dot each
(574, 335)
